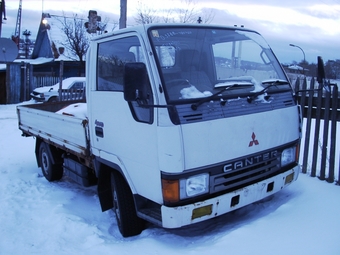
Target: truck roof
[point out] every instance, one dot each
(143, 28)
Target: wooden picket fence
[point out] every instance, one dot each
(321, 113)
(41, 81)
(75, 94)
(66, 95)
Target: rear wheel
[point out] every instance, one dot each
(50, 170)
(129, 223)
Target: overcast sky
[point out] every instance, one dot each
(313, 25)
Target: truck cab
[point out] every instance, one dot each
(193, 121)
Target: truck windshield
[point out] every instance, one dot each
(196, 62)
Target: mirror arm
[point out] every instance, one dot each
(318, 89)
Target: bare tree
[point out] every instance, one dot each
(76, 37)
(207, 15)
(168, 16)
(146, 15)
(188, 14)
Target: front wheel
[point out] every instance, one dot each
(52, 172)
(129, 223)
(52, 100)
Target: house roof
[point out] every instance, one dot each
(37, 61)
(295, 67)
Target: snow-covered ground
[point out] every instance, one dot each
(62, 218)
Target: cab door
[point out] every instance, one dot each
(123, 133)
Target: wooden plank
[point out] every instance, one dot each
(314, 104)
(322, 113)
(13, 83)
(308, 128)
(324, 102)
(332, 149)
(316, 133)
(3, 90)
(322, 106)
(325, 137)
(297, 86)
(302, 96)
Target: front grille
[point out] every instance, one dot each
(244, 175)
(193, 117)
(231, 175)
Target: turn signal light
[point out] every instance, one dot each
(170, 190)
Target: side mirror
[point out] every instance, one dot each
(321, 70)
(135, 82)
(321, 75)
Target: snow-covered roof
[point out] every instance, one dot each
(37, 61)
(295, 67)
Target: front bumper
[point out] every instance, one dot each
(38, 97)
(176, 217)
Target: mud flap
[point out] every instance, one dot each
(104, 188)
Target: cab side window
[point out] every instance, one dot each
(112, 56)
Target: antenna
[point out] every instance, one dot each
(8, 50)
(16, 36)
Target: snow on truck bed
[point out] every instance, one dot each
(77, 110)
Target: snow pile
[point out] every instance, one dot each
(193, 92)
(77, 110)
(62, 218)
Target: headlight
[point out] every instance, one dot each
(288, 156)
(173, 189)
(194, 185)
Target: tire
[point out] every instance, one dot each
(53, 99)
(52, 172)
(129, 223)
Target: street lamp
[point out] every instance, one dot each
(304, 56)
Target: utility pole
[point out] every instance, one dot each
(123, 10)
(2, 13)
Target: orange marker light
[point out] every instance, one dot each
(170, 189)
(297, 155)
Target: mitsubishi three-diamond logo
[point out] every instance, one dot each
(254, 141)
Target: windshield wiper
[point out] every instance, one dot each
(270, 83)
(224, 86)
(229, 84)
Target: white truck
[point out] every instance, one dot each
(183, 123)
